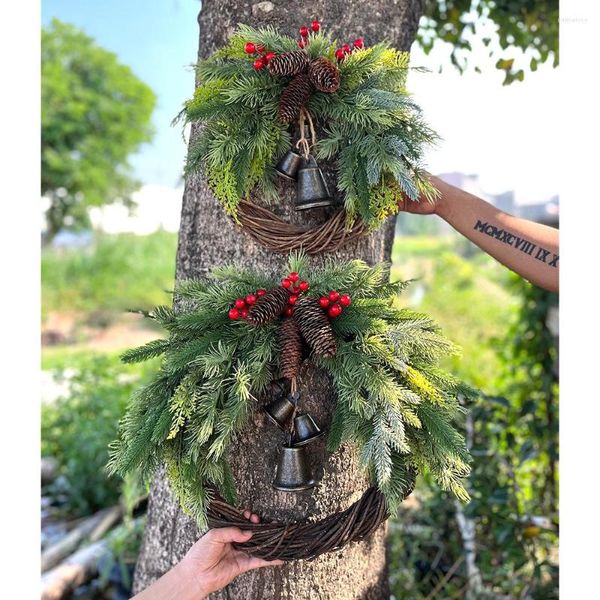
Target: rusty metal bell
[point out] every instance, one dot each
(305, 430)
(293, 471)
(288, 166)
(281, 410)
(311, 187)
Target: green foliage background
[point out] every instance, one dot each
(78, 426)
(95, 113)
(529, 26)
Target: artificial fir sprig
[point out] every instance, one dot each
(392, 400)
(372, 129)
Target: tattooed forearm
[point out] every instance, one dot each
(520, 243)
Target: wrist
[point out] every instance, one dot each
(442, 205)
(193, 583)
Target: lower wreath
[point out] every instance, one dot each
(304, 539)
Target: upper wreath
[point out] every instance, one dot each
(265, 94)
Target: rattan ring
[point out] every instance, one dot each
(305, 539)
(279, 236)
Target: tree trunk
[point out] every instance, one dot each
(208, 238)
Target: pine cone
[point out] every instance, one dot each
(314, 326)
(294, 97)
(268, 307)
(288, 63)
(324, 75)
(290, 349)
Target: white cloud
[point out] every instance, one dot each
(157, 206)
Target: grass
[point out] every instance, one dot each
(119, 272)
(469, 297)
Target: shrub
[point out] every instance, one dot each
(77, 428)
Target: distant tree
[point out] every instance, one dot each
(530, 26)
(95, 113)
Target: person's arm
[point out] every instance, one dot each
(210, 564)
(527, 248)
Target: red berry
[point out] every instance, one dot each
(334, 311)
(293, 276)
(289, 311)
(240, 303)
(359, 43)
(260, 48)
(303, 31)
(261, 292)
(324, 301)
(345, 300)
(340, 54)
(244, 313)
(302, 43)
(250, 48)
(250, 299)
(303, 285)
(292, 299)
(259, 64)
(234, 314)
(269, 56)
(346, 48)
(315, 26)
(334, 296)
(286, 283)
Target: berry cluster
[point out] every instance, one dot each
(264, 58)
(295, 286)
(241, 305)
(334, 303)
(303, 31)
(341, 53)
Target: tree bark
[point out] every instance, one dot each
(207, 238)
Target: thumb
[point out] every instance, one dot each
(225, 535)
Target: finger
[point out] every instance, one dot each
(251, 516)
(225, 535)
(247, 562)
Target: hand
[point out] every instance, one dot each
(422, 207)
(213, 562)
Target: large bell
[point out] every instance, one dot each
(293, 471)
(305, 430)
(311, 188)
(288, 166)
(281, 410)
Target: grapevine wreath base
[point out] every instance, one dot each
(276, 234)
(305, 539)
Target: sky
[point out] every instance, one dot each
(504, 134)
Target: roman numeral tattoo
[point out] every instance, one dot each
(543, 255)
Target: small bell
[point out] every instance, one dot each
(305, 430)
(281, 410)
(288, 166)
(293, 471)
(311, 189)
